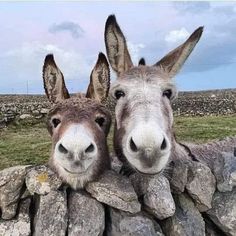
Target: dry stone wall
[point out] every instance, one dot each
(189, 202)
(217, 102)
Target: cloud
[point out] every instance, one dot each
(67, 26)
(26, 61)
(135, 51)
(177, 35)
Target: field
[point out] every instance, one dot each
(29, 142)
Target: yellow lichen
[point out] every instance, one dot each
(43, 177)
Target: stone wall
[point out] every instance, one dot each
(216, 102)
(194, 200)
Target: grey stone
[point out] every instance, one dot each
(187, 221)
(44, 111)
(115, 190)
(140, 183)
(225, 172)
(223, 211)
(51, 217)
(156, 193)
(201, 185)
(179, 176)
(19, 226)
(123, 223)
(41, 180)
(211, 229)
(116, 164)
(86, 215)
(158, 199)
(11, 188)
(25, 116)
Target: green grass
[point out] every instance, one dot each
(204, 129)
(29, 142)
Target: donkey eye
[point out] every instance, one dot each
(100, 121)
(167, 93)
(55, 122)
(119, 94)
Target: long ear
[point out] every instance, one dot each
(53, 80)
(174, 60)
(116, 47)
(99, 80)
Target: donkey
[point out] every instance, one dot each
(144, 136)
(78, 125)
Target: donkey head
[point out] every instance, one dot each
(143, 130)
(78, 125)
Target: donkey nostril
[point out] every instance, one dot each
(62, 149)
(163, 145)
(90, 148)
(133, 145)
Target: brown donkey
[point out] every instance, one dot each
(144, 136)
(78, 125)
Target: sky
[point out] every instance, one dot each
(74, 33)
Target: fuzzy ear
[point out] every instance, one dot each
(142, 62)
(99, 80)
(53, 80)
(174, 60)
(116, 47)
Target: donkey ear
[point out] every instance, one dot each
(99, 80)
(116, 47)
(174, 60)
(142, 62)
(53, 80)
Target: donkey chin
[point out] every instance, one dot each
(148, 160)
(74, 177)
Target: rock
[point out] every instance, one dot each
(140, 183)
(211, 229)
(158, 199)
(41, 180)
(25, 116)
(51, 216)
(11, 187)
(86, 215)
(123, 223)
(201, 185)
(223, 211)
(115, 190)
(3, 123)
(225, 172)
(187, 221)
(19, 226)
(179, 177)
(115, 163)
(156, 194)
(44, 111)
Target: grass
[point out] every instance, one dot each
(29, 142)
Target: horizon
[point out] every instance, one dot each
(73, 32)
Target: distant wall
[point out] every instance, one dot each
(216, 102)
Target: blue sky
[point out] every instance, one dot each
(73, 32)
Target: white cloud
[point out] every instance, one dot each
(29, 58)
(26, 63)
(177, 35)
(134, 50)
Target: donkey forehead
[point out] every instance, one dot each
(153, 78)
(76, 106)
(145, 73)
